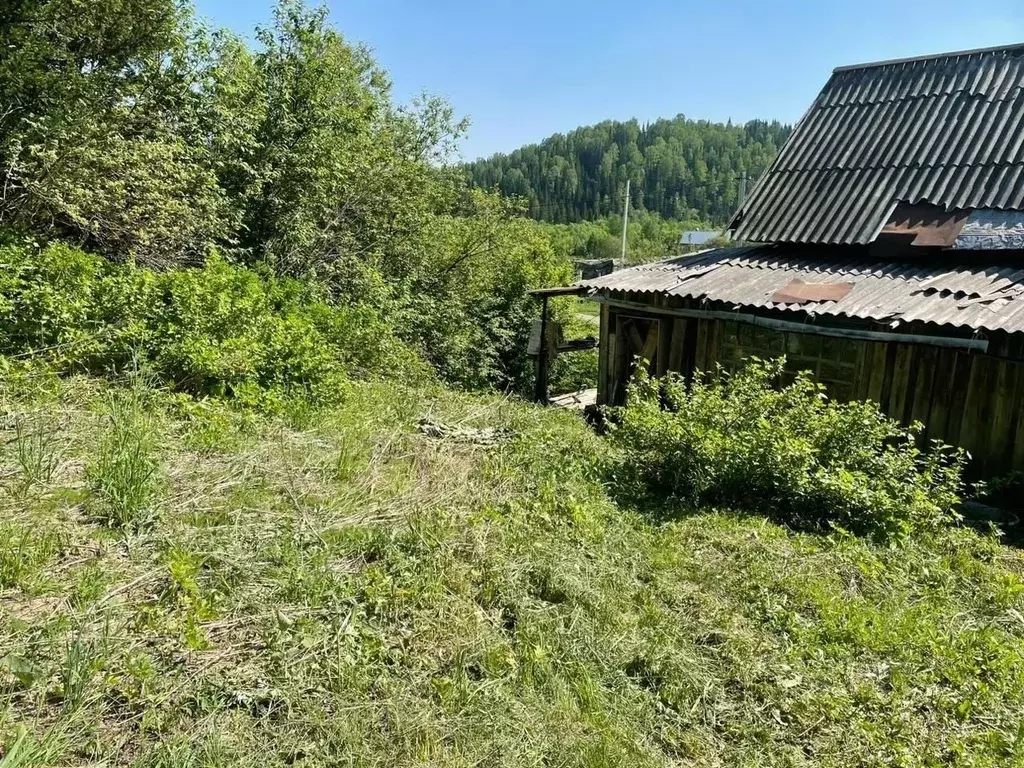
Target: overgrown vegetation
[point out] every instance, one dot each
(132, 132)
(749, 440)
(359, 592)
(648, 237)
(218, 330)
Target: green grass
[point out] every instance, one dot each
(182, 584)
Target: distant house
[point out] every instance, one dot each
(698, 238)
(883, 250)
(588, 269)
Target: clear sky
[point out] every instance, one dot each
(524, 69)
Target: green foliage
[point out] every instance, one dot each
(159, 144)
(750, 442)
(328, 175)
(648, 237)
(124, 474)
(574, 371)
(100, 136)
(218, 330)
(24, 552)
(36, 450)
(130, 128)
(680, 168)
(469, 313)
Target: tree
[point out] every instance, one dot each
(99, 137)
(329, 177)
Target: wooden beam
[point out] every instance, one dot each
(540, 388)
(603, 352)
(678, 344)
(954, 342)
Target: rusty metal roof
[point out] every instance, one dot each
(946, 130)
(976, 297)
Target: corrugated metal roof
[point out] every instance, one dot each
(946, 130)
(978, 297)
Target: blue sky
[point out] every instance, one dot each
(523, 70)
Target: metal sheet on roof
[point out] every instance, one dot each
(946, 130)
(977, 297)
(988, 230)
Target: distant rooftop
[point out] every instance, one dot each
(944, 130)
(699, 237)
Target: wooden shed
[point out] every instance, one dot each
(938, 344)
(883, 250)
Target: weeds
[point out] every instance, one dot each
(124, 475)
(27, 751)
(76, 675)
(24, 553)
(36, 450)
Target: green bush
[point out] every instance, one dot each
(749, 442)
(219, 330)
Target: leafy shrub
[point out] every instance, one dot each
(470, 313)
(748, 442)
(574, 371)
(219, 330)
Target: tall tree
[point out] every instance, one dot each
(328, 175)
(98, 131)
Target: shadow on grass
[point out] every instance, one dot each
(1007, 526)
(987, 519)
(661, 509)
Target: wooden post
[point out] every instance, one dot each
(540, 390)
(604, 356)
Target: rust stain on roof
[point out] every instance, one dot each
(800, 292)
(929, 225)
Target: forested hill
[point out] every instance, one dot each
(679, 168)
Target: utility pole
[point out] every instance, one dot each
(625, 223)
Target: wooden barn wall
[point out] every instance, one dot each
(968, 399)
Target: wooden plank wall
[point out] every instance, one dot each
(963, 398)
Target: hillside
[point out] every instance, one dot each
(678, 168)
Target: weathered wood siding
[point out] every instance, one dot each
(963, 398)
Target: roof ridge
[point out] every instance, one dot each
(898, 167)
(964, 91)
(948, 55)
